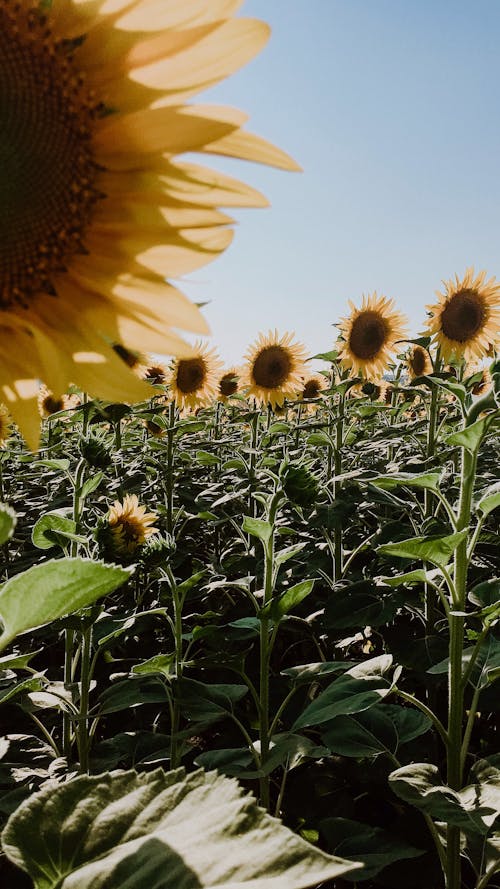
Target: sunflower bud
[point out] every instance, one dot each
(300, 485)
(95, 452)
(158, 550)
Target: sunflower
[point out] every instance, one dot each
(418, 362)
(312, 387)
(369, 335)
(6, 426)
(375, 390)
(96, 211)
(228, 384)
(192, 381)
(465, 322)
(49, 404)
(154, 373)
(274, 368)
(480, 379)
(129, 524)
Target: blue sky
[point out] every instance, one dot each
(392, 109)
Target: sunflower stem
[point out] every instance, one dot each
(169, 492)
(85, 677)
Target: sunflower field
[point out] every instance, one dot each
(295, 589)
(249, 614)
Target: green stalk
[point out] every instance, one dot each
(455, 679)
(175, 711)
(430, 597)
(83, 732)
(339, 442)
(169, 493)
(69, 634)
(265, 653)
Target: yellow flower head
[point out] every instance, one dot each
(418, 362)
(96, 211)
(369, 335)
(274, 368)
(312, 387)
(49, 404)
(192, 381)
(465, 322)
(155, 373)
(228, 385)
(483, 380)
(6, 426)
(130, 525)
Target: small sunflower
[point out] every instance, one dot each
(49, 404)
(418, 362)
(6, 425)
(312, 387)
(480, 379)
(465, 322)
(192, 382)
(228, 385)
(129, 524)
(154, 373)
(97, 213)
(274, 368)
(375, 390)
(369, 335)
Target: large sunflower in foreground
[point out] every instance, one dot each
(95, 213)
(465, 321)
(369, 335)
(274, 369)
(192, 382)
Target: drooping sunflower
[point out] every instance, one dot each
(274, 368)
(479, 379)
(368, 335)
(312, 387)
(375, 390)
(192, 382)
(49, 403)
(6, 425)
(228, 384)
(95, 211)
(465, 322)
(418, 362)
(155, 373)
(129, 524)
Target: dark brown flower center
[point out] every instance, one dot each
(191, 375)
(52, 405)
(228, 384)
(272, 367)
(418, 361)
(155, 374)
(368, 335)
(463, 316)
(47, 168)
(373, 390)
(312, 388)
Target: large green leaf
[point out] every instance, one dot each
(471, 436)
(55, 588)
(8, 521)
(426, 480)
(374, 847)
(159, 831)
(358, 689)
(437, 550)
(473, 809)
(489, 499)
(369, 733)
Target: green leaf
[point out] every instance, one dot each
(45, 533)
(374, 847)
(55, 588)
(436, 550)
(257, 528)
(358, 689)
(407, 579)
(489, 500)
(163, 830)
(287, 553)
(471, 437)
(8, 521)
(276, 608)
(160, 663)
(205, 458)
(321, 439)
(53, 464)
(367, 734)
(470, 809)
(91, 484)
(308, 672)
(133, 693)
(206, 703)
(426, 480)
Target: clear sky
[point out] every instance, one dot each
(392, 109)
